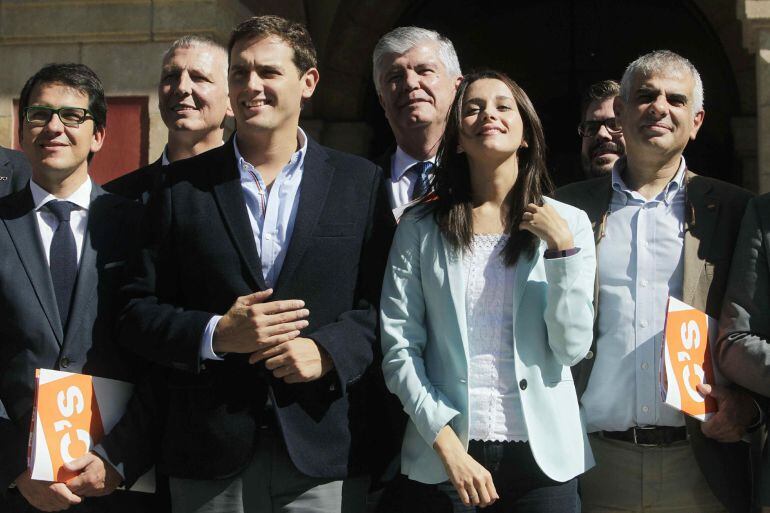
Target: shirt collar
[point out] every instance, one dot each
(297, 159)
(81, 197)
(402, 162)
(668, 192)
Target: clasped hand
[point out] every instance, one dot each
(269, 331)
(548, 225)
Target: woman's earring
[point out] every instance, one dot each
(460, 149)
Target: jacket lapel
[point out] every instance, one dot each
(87, 278)
(229, 197)
(314, 189)
(22, 227)
(456, 278)
(701, 213)
(521, 278)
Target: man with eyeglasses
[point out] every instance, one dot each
(602, 138)
(63, 243)
(661, 231)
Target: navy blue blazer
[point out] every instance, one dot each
(32, 334)
(199, 255)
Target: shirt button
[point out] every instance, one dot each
(645, 365)
(64, 362)
(645, 409)
(589, 355)
(643, 324)
(643, 283)
(646, 244)
(523, 384)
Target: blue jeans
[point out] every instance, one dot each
(521, 485)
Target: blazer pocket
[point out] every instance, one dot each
(335, 230)
(113, 265)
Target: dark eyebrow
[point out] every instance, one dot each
(679, 98)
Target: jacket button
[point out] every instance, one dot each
(64, 362)
(589, 355)
(523, 384)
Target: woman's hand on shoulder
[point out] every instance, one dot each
(547, 224)
(472, 481)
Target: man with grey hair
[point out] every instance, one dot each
(416, 73)
(661, 231)
(193, 103)
(601, 136)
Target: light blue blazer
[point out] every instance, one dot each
(425, 343)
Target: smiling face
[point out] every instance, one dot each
(55, 151)
(491, 124)
(415, 88)
(659, 114)
(266, 88)
(192, 93)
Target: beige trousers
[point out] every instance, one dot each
(629, 478)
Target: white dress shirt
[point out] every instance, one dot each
(640, 263)
(271, 215)
(47, 222)
(401, 183)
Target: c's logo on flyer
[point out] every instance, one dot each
(687, 339)
(68, 413)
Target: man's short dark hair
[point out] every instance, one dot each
(77, 76)
(598, 92)
(293, 33)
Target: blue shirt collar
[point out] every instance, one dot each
(666, 195)
(297, 160)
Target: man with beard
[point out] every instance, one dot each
(602, 135)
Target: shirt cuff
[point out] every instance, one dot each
(207, 340)
(560, 253)
(98, 449)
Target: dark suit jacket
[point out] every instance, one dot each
(137, 184)
(14, 171)
(743, 350)
(713, 210)
(199, 256)
(31, 332)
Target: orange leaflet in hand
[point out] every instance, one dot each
(70, 420)
(687, 359)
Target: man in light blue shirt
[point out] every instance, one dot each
(661, 231)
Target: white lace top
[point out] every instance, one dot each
(494, 402)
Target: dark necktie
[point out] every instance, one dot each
(63, 257)
(422, 172)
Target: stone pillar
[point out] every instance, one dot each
(755, 18)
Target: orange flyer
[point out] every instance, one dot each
(71, 414)
(687, 360)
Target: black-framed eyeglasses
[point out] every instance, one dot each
(40, 115)
(590, 128)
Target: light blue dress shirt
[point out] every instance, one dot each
(271, 214)
(640, 263)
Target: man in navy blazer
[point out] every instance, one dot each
(63, 245)
(14, 171)
(257, 288)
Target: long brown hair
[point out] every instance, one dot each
(453, 208)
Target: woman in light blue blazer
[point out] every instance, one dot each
(486, 302)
